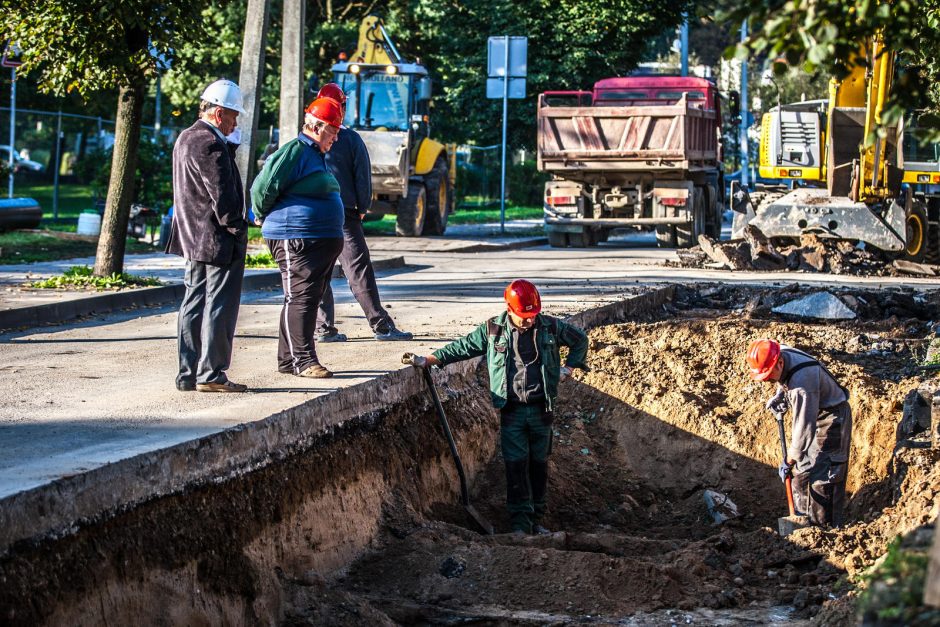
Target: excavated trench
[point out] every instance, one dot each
(364, 527)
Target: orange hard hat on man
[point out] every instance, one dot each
(523, 298)
(326, 110)
(762, 356)
(334, 91)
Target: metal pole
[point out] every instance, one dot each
(156, 113)
(12, 127)
(684, 45)
(57, 165)
(745, 161)
(502, 183)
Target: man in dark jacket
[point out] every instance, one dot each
(349, 162)
(210, 231)
(522, 355)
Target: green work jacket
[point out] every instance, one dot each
(492, 338)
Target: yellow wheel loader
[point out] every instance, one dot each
(388, 104)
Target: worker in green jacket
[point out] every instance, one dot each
(522, 355)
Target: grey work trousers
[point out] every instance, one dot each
(820, 491)
(357, 266)
(207, 317)
(306, 266)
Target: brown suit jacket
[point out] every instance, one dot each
(208, 201)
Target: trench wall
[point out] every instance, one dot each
(206, 532)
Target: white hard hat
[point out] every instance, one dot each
(224, 93)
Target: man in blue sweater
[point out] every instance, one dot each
(299, 204)
(348, 160)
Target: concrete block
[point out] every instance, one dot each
(820, 305)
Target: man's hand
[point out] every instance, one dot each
(778, 404)
(257, 221)
(785, 470)
(564, 373)
(414, 360)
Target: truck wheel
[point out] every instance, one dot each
(916, 236)
(411, 212)
(687, 234)
(713, 213)
(584, 239)
(557, 239)
(439, 199)
(665, 236)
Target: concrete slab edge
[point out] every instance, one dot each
(96, 304)
(62, 507)
(484, 247)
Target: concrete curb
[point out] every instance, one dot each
(484, 247)
(55, 313)
(61, 507)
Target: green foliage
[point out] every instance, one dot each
(18, 247)
(81, 277)
(571, 45)
(822, 38)
(895, 589)
(153, 179)
(98, 44)
(526, 184)
(261, 260)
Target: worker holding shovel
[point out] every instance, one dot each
(521, 347)
(821, 431)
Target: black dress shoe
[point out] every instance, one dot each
(186, 386)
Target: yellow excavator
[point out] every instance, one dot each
(835, 143)
(388, 104)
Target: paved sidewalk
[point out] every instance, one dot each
(21, 306)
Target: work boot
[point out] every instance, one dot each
(316, 371)
(225, 386)
(185, 386)
(539, 530)
(393, 334)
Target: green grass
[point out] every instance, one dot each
(31, 246)
(80, 277)
(73, 198)
(261, 260)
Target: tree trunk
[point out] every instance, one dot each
(110, 257)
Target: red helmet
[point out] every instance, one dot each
(762, 356)
(327, 110)
(334, 91)
(523, 299)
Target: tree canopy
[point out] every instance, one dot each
(822, 36)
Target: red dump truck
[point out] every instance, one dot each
(637, 152)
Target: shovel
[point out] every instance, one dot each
(788, 524)
(464, 493)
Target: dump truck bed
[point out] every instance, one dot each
(651, 138)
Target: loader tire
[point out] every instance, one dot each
(584, 239)
(440, 199)
(410, 216)
(916, 236)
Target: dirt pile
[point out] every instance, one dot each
(666, 414)
(810, 254)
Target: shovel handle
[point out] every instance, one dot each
(464, 493)
(788, 480)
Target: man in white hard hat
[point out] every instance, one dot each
(210, 231)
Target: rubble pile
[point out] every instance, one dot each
(755, 251)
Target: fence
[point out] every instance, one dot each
(80, 158)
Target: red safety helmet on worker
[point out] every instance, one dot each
(334, 92)
(762, 357)
(326, 110)
(522, 299)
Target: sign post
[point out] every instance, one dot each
(506, 65)
(10, 59)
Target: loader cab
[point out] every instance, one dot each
(385, 97)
